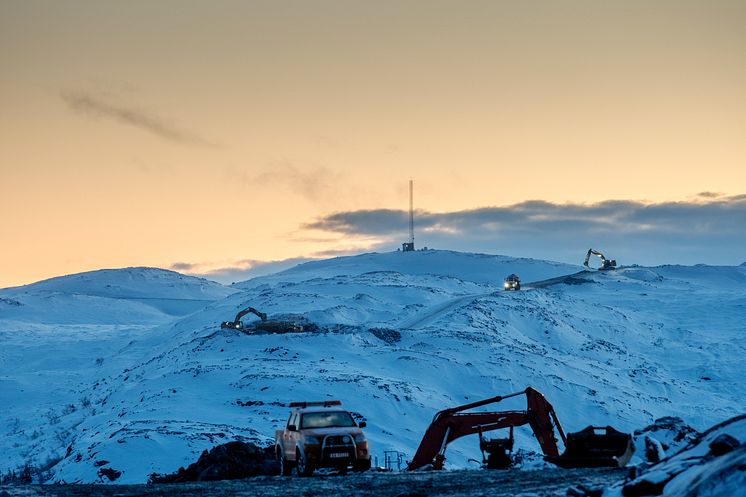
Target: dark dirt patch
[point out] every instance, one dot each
(110, 473)
(230, 461)
(386, 335)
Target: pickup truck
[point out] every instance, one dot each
(321, 435)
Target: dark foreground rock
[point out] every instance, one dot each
(467, 483)
(663, 438)
(713, 464)
(230, 461)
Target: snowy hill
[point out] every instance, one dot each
(59, 336)
(398, 337)
(474, 268)
(110, 296)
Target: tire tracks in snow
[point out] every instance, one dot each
(431, 313)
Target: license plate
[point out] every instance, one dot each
(337, 455)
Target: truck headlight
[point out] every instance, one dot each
(360, 439)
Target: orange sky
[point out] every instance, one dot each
(146, 133)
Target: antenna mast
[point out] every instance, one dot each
(411, 212)
(409, 246)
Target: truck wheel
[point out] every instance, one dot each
(302, 466)
(286, 467)
(363, 465)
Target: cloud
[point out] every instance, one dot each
(182, 266)
(711, 229)
(364, 222)
(710, 195)
(97, 107)
(535, 216)
(316, 183)
(238, 270)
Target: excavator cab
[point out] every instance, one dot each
(496, 452)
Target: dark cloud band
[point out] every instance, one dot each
(711, 230)
(92, 106)
(725, 215)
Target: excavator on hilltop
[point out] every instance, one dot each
(263, 325)
(606, 264)
(591, 447)
(237, 324)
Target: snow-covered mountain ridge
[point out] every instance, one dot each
(110, 296)
(400, 336)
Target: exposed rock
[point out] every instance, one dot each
(712, 464)
(723, 444)
(386, 334)
(110, 473)
(643, 487)
(230, 461)
(654, 451)
(662, 438)
(584, 491)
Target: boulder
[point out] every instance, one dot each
(230, 461)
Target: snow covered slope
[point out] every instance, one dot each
(60, 336)
(110, 296)
(401, 336)
(475, 268)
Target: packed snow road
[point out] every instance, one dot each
(467, 483)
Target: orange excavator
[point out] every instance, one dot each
(591, 447)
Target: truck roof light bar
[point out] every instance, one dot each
(320, 403)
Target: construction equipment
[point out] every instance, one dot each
(606, 264)
(512, 283)
(237, 324)
(586, 448)
(321, 435)
(263, 325)
(498, 451)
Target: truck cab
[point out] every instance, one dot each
(321, 435)
(512, 283)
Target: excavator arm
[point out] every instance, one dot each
(594, 252)
(605, 263)
(451, 424)
(244, 312)
(236, 323)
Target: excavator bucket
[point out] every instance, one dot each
(595, 447)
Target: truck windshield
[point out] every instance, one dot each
(326, 420)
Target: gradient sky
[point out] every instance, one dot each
(215, 135)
